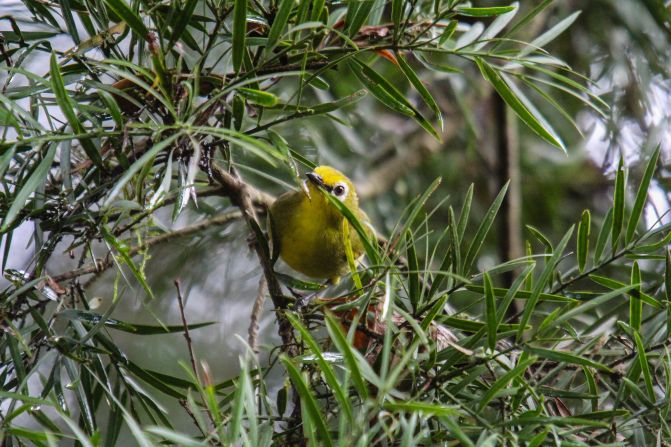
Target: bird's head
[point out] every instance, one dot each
(331, 181)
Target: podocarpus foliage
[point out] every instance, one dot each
(160, 104)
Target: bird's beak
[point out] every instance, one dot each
(315, 178)
(318, 180)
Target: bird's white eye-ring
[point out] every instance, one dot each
(340, 190)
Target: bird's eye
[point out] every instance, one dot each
(339, 190)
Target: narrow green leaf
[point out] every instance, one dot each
(259, 97)
(589, 305)
(618, 205)
(507, 94)
(414, 288)
(538, 440)
(345, 349)
(138, 329)
(389, 95)
(465, 212)
(338, 104)
(451, 258)
(67, 107)
(591, 386)
(641, 196)
(615, 284)
(437, 308)
(541, 238)
(645, 367)
(382, 90)
(483, 230)
(543, 280)
(448, 32)
(560, 421)
(635, 302)
(512, 292)
(503, 382)
(549, 35)
(528, 17)
(122, 249)
(136, 166)
(360, 16)
(349, 254)
(239, 32)
(565, 357)
(582, 242)
(6, 159)
(667, 290)
(308, 401)
(36, 179)
(426, 409)
(181, 21)
(602, 238)
(490, 312)
(419, 86)
(279, 22)
(317, 8)
(484, 12)
(453, 426)
(363, 231)
(325, 367)
(126, 14)
(397, 7)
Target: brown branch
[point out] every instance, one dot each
(245, 197)
(256, 313)
(241, 195)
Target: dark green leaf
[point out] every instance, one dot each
(582, 243)
(635, 302)
(414, 288)
(182, 19)
(419, 86)
(490, 312)
(645, 367)
(604, 233)
(346, 350)
(239, 32)
(308, 400)
(641, 196)
(565, 357)
(259, 97)
(484, 12)
(507, 94)
(136, 166)
(543, 280)
(279, 22)
(139, 329)
(503, 382)
(483, 230)
(67, 107)
(37, 179)
(122, 249)
(614, 284)
(126, 14)
(618, 205)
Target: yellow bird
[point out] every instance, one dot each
(307, 230)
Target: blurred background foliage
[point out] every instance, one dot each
(127, 128)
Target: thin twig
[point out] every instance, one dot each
(103, 264)
(189, 344)
(256, 313)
